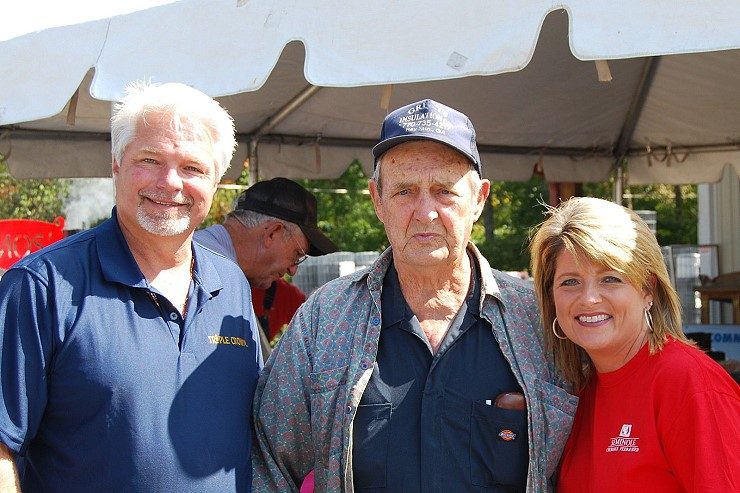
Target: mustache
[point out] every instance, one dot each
(177, 198)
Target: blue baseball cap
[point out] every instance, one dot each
(429, 120)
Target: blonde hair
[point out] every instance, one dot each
(614, 236)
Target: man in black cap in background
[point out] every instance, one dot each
(425, 372)
(272, 229)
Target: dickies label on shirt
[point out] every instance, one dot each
(507, 435)
(227, 340)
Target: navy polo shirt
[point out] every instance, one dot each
(426, 422)
(103, 386)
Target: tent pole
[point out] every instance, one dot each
(619, 182)
(253, 164)
(638, 102)
(298, 100)
(630, 123)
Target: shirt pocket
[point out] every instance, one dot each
(499, 452)
(371, 431)
(558, 410)
(328, 389)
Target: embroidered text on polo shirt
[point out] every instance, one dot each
(228, 340)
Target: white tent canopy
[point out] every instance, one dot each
(308, 83)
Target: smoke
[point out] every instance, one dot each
(89, 200)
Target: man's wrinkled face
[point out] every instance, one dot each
(430, 199)
(279, 253)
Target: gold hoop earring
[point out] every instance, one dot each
(649, 317)
(554, 331)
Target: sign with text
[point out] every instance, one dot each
(723, 337)
(20, 237)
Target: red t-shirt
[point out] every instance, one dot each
(288, 297)
(661, 423)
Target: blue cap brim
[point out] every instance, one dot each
(387, 144)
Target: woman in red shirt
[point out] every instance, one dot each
(655, 413)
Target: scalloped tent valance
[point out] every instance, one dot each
(308, 83)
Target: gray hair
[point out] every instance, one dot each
(376, 175)
(251, 219)
(184, 106)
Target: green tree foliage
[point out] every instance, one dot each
(31, 198)
(516, 208)
(513, 209)
(677, 211)
(223, 201)
(676, 208)
(346, 212)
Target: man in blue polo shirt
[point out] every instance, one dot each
(128, 357)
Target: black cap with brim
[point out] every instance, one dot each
(285, 199)
(320, 244)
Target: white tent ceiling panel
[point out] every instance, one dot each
(508, 167)
(241, 44)
(694, 100)
(310, 160)
(699, 168)
(240, 51)
(28, 17)
(42, 70)
(339, 112)
(76, 158)
(635, 28)
(570, 169)
(90, 158)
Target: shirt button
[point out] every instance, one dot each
(349, 409)
(364, 365)
(173, 316)
(376, 320)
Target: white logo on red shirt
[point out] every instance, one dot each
(624, 442)
(625, 431)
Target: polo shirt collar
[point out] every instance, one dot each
(118, 263)
(375, 274)
(116, 260)
(395, 306)
(205, 273)
(474, 292)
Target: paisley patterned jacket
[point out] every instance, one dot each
(310, 388)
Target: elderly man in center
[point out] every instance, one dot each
(426, 371)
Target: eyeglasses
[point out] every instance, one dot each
(303, 256)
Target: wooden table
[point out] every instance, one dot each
(722, 288)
